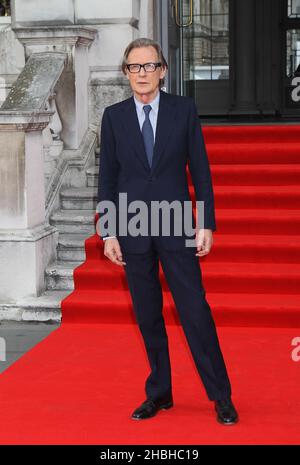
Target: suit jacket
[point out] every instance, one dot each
(124, 166)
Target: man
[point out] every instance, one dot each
(146, 141)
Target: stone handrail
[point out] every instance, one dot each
(44, 114)
(36, 82)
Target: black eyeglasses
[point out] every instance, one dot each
(148, 67)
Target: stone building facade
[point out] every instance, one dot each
(60, 67)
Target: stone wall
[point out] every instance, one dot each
(118, 23)
(11, 57)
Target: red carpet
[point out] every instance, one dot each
(81, 383)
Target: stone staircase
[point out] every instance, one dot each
(75, 223)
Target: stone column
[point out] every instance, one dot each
(118, 22)
(27, 242)
(11, 57)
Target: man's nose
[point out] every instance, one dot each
(142, 71)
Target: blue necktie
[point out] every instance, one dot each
(148, 135)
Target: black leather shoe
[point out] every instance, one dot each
(227, 414)
(150, 407)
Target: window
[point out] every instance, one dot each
(207, 40)
(294, 8)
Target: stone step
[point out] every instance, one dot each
(74, 221)
(92, 176)
(71, 247)
(46, 307)
(238, 174)
(59, 275)
(97, 155)
(79, 198)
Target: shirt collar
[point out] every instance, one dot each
(154, 104)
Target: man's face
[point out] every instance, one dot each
(144, 82)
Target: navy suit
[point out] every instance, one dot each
(123, 168)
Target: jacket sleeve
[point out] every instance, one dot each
(108, 163)
(200, 169)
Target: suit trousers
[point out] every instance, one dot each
(184, 277)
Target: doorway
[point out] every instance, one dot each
(236, 58)
(198, 49)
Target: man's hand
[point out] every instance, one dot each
(204, 241)
(112, 251)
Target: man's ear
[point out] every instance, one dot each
(163, 73)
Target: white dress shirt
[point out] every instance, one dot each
(141, 117)
(152, 115)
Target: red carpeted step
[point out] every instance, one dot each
(251, 277)
(254, 248)
(99, 274)
(258, 221)
(261, 309)
(252, 134)
(229, 309)
(217, 277)
(287, 152)
(257, 197)
(234, 248)
(94, 248)
(255, 174)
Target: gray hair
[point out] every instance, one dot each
(144, 42)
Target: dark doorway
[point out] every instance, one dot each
(236, 58)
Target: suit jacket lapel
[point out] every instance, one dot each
(165, 122)
(131, 125)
